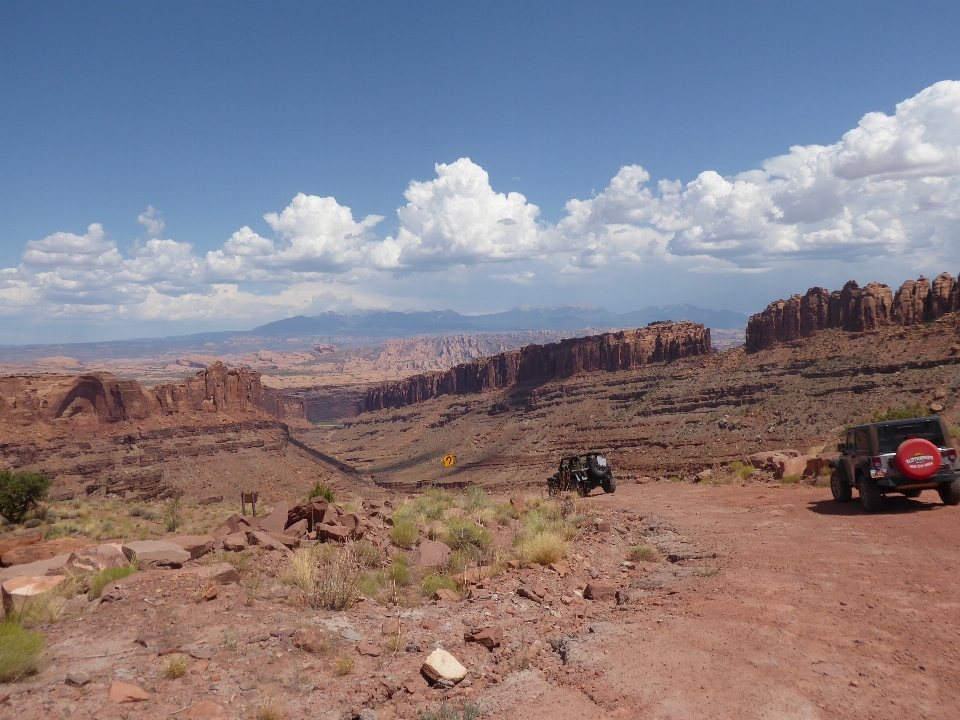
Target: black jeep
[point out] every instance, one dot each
(581, 474)
(896, 456)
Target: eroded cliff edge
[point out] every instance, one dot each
(608, 352)
(854, 309)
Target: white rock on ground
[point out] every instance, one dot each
(442, 665)
(17, 591)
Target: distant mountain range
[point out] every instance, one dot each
(401, 324)
(372, 327)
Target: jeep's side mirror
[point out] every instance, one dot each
(842, 447)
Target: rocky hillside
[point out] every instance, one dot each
(854, 309)
(608, 352)
(675, 418)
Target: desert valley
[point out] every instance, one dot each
(720, 579)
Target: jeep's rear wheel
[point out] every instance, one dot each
(950, 492)
(870, 496)
(911, 493)
(609, 484)
(842, 492)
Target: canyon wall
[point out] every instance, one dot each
(101, 397)
(608, 352)
(854, 309)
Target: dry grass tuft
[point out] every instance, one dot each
(174, 667)
(343, 665)
(543, 548)
(645, 553)
(20, 652)
(269, 710)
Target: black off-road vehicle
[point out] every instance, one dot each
(896, 456)
(581, 474)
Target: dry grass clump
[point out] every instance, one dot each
(99, 580)
(20, 652)
(343, 665)
(174, 667)
(404, 533)
(331, 581)
(740, 470)
(645, 553)
(269, 710)
(542, 548)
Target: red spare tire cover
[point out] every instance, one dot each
(918, 459)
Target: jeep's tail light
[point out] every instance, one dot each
(877, 462)
(952, 455)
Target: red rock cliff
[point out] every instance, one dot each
(538, 363)
(854, 309)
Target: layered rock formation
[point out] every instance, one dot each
(608, 352)
(854, 309)
(101, 397)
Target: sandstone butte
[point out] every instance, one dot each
(104, 397)
(609, 352)
(854, 309)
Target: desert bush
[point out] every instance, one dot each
(434, 581)
(337, 583)
(372, 583)
(343, 665)
(367, 554)
(791, 479)
(463, 534)
(468, 711)
(400, 570)
(173, 514)
(21, 492)
(543, 547)
(31, 523)
(474, 498)
(20, 652)
(99, 580)
(322, 491)
(904, 413)
(740, 469)
(269, 710)
(64, 529)
(404, 533)
(174, 667)
(645, 553)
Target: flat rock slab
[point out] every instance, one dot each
(432, 553)
(121, 692)
(44, 550)
(364, 647)
(21, 541)
(102, 557)
(42, 567)
(276, 521)
(156, 553)
(196, 545)
(18, 590)
(236, 542)
(223, 573)
(441, 665)
(258, 537)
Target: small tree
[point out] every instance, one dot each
(20, 492)
(321, 490)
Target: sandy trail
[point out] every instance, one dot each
(818, 610)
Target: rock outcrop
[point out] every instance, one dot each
(854, 309)
(608, 352)
(102, 397)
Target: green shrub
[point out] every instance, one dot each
(434, 581)
(791, 479)
(20, 652)
(173, 514)
(904, 413)
(322, 491)
(99, 580)
(743, 470)
(463, 534)
(400, 570)
(21, 492)
(404, 534)
(64, 529)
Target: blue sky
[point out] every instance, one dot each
(218, 114)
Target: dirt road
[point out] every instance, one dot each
(818, 611)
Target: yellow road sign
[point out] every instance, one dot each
(449, 460)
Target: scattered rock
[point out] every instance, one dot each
(155, 553)
(600, 590)
(223, 573)
(560, 569)
(121, 692)
(205, 709)
(367, 648)
(489, 637)
(102, 557)
(77, 679)
(309, 640)
(235, 542)
(535, 594)
(446, 595)
(257, 537)
(391, 627)
(432, 553)
(593, 572)
(441, 665)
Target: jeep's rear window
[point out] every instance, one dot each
(891, 436)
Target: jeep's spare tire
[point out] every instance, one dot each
(918, 459)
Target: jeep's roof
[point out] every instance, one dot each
(586, 454)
